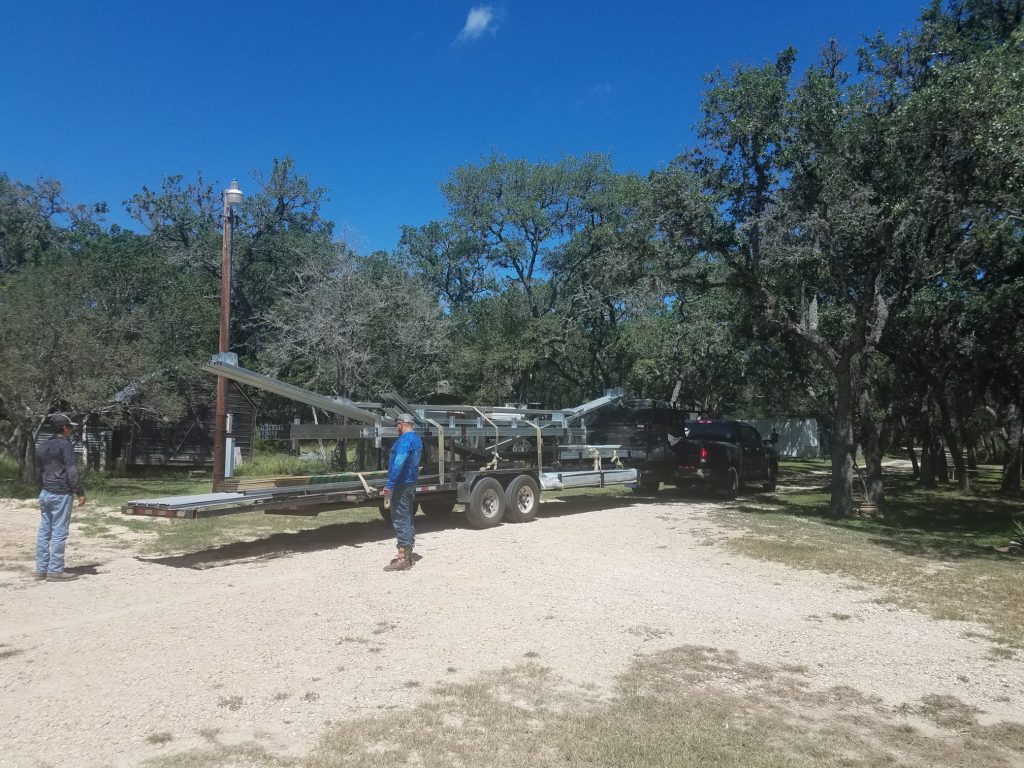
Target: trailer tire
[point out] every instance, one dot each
(522, 499)
(385, 515)
(486, 504)
(435, 508)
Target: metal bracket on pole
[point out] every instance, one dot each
(540, 449)
(497, 439)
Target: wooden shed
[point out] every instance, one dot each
(189, 441)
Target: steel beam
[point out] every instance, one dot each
(338, 405)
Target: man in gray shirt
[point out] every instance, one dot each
(58, 480)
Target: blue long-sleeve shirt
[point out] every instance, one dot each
(404, 463)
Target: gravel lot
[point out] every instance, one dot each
(269, 645)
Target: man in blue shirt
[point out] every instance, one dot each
(403, 471)
(57, 468)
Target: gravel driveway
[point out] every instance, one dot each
(269, 645)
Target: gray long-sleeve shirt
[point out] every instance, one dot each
(57, 467)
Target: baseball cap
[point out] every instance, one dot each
(59, 420)
(406, 417)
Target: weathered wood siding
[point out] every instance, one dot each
(189, 442)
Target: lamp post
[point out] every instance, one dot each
(232, 196)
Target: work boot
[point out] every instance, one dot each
(39, 575)
(61, 576)
(403, 562)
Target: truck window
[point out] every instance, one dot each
(750, 437)
(721, 432)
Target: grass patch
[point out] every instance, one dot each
(111, 490)
(936, 549)
(223, 756)
(689, 706)
(686, 706)
(159, 738)
(267, 464)
(6, 653)
(230, 703)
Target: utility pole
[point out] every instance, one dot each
(232, 196)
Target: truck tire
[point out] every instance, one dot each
(486, 504)
(440, 507)
(522, 499)
(730, 486)
(385, 514)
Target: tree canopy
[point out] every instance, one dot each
(844, 241)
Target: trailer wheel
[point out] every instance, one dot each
(522, 498)
(437, 507)
(486, 504)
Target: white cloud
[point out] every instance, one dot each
(481, 18)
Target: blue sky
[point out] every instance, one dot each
(377, 102)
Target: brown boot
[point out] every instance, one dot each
(403, 562)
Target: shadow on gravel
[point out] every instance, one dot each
(284, 544)
(88, 569)
(355, 534)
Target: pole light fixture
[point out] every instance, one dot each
(232, 196)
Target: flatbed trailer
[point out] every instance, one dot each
(544, 450)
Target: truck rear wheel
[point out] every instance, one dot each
(522, 499)
(486, 504)
(731, 484)
(646, 486)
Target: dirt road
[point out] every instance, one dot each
(270, 643)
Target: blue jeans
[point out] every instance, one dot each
(53, 531)
(403, 507)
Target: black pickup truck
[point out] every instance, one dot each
(723, 455)
(666, 444)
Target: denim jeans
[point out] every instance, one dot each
(54, 521)
(403, 507)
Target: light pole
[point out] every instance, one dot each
(232, 196)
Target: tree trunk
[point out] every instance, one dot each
(913, 461)
(941, 464)
(841, 503)
(872, 442)
(950, 432)
(972, 457)
(1012, 457)
(929, 468)
(23, 448)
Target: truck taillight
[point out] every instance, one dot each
(703, 453)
